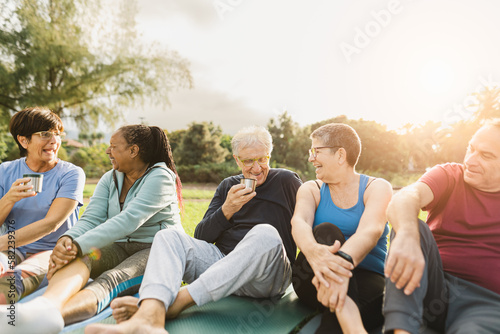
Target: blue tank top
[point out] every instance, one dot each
(347, 220)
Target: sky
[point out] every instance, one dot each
(391, 61)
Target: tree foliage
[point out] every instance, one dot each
(73, 57)
(291, 143)
(201, 144)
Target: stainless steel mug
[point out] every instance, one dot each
(249, 183)
(36, 181)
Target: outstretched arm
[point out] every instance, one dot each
(405, 262)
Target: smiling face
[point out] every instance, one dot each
(119, 152)
(482, 160)
(256, 171)
(324, 160)
(41, 151)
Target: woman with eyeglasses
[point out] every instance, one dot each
(111, 242)
(339, 225)
(31, 223)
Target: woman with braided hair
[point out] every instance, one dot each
(140, 196)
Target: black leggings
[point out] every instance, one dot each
(366, 288)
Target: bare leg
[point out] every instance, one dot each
(43, 314)
(124, 308)
(67, 282)
(181, 302)
(80, 307)
(400, 331)
(150, 318)
(350, 318)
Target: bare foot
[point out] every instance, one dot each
(181, 302)
(127, 327)
(124, 308)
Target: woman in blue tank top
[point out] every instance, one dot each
(340, 227)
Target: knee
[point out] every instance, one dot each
(266, 234)
(328, 233)
(167, 235)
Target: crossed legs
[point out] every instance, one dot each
(257, 267)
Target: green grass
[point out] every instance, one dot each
(188, 194)
(88, 190)
(193, 213)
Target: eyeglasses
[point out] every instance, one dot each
(46, 135)
(314, 150)
(250, 162)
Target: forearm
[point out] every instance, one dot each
(29, 233)
(360, 244)
(5, 208)
(212, 225)
(403, 211)
(303, 236)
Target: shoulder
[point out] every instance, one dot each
(106, 178)
(310, 187)
(230, 181)
(378, 188)
(8, 166)
(443, 175)
(160, 168)
(67, 167)
(284, 174)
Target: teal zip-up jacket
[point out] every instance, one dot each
(151, 205)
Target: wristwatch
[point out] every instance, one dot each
(345, 256)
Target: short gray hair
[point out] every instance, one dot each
(340, 135)
(251, 136)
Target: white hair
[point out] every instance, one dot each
(250, 136)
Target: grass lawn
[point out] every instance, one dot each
(196, 202)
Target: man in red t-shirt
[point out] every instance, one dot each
(445, 275)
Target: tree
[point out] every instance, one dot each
(381, 150)
(488, 104)
(79, 60)
(290, 142)
(201, 144)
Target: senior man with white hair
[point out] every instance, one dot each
(243, 245)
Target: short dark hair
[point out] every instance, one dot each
(30, 120)
(342, 135)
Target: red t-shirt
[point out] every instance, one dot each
(466, 225)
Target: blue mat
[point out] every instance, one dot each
(229, 315)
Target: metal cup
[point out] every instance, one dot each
(249, 183)
(36, 181)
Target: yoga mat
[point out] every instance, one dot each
(235, 315)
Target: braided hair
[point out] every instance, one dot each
(154, 147)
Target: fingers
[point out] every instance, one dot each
(51, 272)
(315, 282)
(329, 274)
(405, 270)
(341, 300)
(321, 280)
(335, 247)
(70, 247)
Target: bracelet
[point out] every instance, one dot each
(345, 256)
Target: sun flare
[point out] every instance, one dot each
(436, 76)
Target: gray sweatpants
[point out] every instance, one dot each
(443, 303)
(257, 267)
